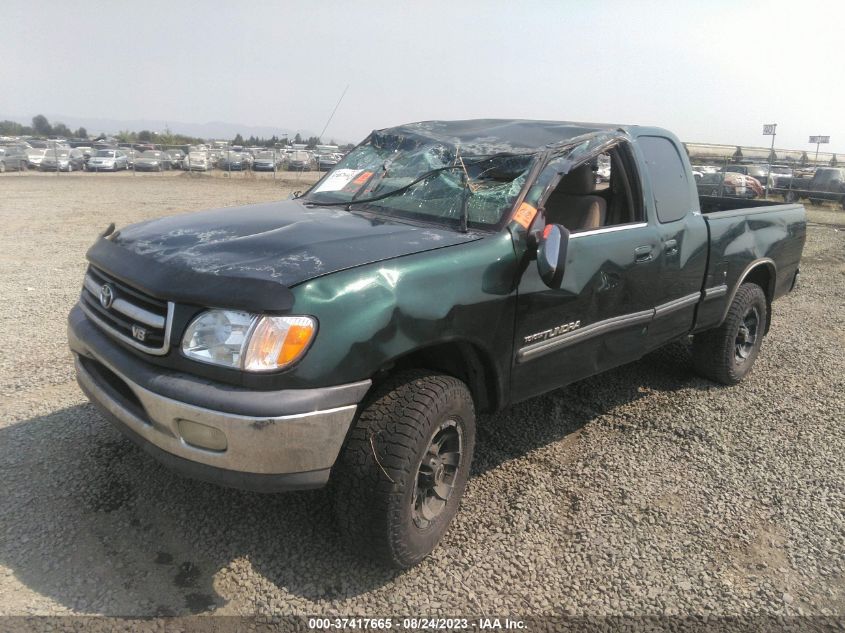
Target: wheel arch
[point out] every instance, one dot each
(460, 358)
(762, 272)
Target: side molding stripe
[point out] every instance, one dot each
(676, 304)
(541, 348)
(715, 291)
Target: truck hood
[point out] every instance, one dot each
(283, 243)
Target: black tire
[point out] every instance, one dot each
(727, 353)
(378, 478)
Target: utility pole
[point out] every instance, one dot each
(770, 129)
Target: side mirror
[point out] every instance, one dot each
(551, 254)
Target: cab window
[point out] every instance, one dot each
(598, 193)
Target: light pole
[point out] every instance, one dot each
(770, 129)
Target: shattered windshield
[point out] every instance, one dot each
(425, 179)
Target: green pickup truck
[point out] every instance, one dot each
(350, 335)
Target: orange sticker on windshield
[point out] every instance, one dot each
(524, 215)
(364, 177)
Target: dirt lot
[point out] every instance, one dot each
(643, 491)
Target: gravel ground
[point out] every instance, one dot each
(646, 490)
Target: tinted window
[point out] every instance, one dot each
(668, 177)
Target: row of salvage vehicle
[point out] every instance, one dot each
(58, 157)
(823, 184)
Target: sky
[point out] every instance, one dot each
(710, 71)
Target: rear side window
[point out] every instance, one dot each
(668, 177)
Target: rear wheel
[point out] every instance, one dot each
(727, 353)
(399, 480)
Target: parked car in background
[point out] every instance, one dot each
(266, 161)
(729, 184)
(325, 162)
(705, 169)
(152, 160)
(13, 158)
(299, 160)
(233, 161)
(197, 161)
(108, 160)
(63, 160)
(176, 157)
(826, 185)
(779, 173)
(34, 156)
(758, 172)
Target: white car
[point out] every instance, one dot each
(35, 156)
(108, 160)
(197, 161)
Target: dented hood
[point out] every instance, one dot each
(223, 257)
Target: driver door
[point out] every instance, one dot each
(599, 316)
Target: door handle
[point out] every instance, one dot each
(671, 247)
(643, 254)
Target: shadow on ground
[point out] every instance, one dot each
(96, 525)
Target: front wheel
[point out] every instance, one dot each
(727, 353)
(399, 480)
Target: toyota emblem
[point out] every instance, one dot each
(106, 296)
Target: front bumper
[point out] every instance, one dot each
(274, 441)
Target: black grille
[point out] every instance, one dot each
(132, 315)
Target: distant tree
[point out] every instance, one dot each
(833, 161)
(13, 128)
(238, 140)
(81, 132)
(60, 129)
(297, 139)
(145, 136)
(41, 125)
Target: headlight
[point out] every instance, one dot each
(247, 341)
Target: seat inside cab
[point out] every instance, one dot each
(574, 204)
(598, 193)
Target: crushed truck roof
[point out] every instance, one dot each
(486, 136)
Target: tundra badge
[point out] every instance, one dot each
(555, 331)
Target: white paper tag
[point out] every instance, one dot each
(338, 180)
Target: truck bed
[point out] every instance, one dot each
(743, 234)
(715, 204)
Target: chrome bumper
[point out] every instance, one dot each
(272, 445)
(287, 442)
